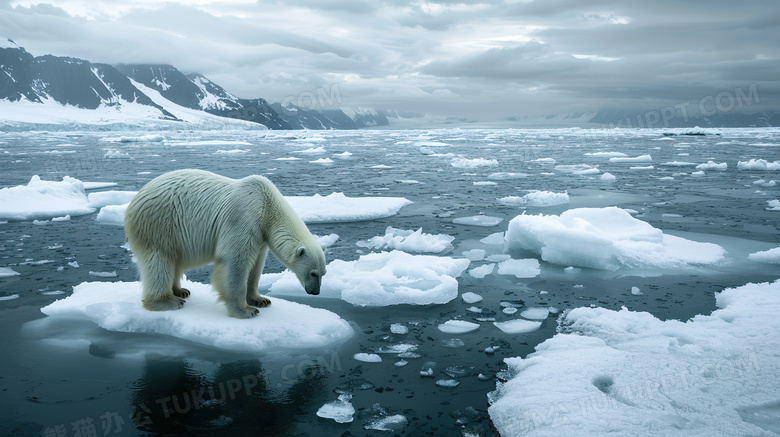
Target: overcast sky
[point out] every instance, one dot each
(480, 60)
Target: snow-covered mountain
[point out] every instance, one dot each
(51, 89)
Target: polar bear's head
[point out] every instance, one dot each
(310, 267)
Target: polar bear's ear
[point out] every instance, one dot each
(301, 251)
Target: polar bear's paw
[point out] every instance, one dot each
(174, 303)
(181, 292)
(243, 313)
(258, 301)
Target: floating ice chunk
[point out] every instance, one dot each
(41, 199)
(326, 240)
(642, 167)
(458, 327)
(712, 165)
(577, 169)
(322, 161)
(65, 218)
(340, 410)
(520, 268)
(759, 164)
(470, 297)
(544, 160)
(399, 328)
(378, 419)
(104, 198)
(116, 306)
(498, 257)
(447, 382)
(116, 154)
(606, 238)
(705, 376)
(764, 183)
(6, 272)
(509, 310)
(112, 215)
(111, 274)
(401, 348)
(231, 151)
(535, 313)
(9, 297)
(400, 363)
(771, 256)
(608, 177)
(367, 358)
(640, 158)
(149, 138)
(478, 220)
(536, 198)
(484, 183)
(636, 291)
(493, 239)
(427, 369)
(312, 151)
(679, 164)
(409, 241)
(475, 254)
(518, 326)
(381, 166)
(502, 176)
(386, 278)
(98, 185)
(337, 207)
(774, 205)
(472, 163)
(606, 154)
(482, 271)
(288, 158)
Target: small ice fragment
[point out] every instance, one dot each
(470, 297)
(399, 328)
(9, 297)
(482, 271)
(535, 313)
(518, 326)
(6, 272)
(341, 410)
(498, 257)
(475, 254)
(458, 327)
(509, 310)
(103, 274)
(474, 309)
(400, 363)
(491, 350)
(478, 220)
(636, 291)
(453, 342)
(427, 369)
(493, 239)
(520, 268)
(447, 383)
(368, 358)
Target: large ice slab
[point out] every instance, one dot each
(41, 199)
(606, 238)
(385, 278)
(116, 306)
(630, 373)
(336, 207)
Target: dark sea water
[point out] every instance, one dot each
(70, 378)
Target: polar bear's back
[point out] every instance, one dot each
(179, 213)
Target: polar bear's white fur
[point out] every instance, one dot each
(189, 218)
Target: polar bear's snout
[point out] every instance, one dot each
(313, 283)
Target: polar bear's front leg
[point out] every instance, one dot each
(230, 278)
(252, 296)
(157, 280)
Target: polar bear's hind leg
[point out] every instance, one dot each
(157, 279)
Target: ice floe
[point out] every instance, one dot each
(606, 238)
(384, 278)
(116, 306)
(41, 199)
(771, 256)
(630, 373)
(759, 164)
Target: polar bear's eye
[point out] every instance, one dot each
(315, 275)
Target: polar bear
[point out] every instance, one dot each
(188, 218)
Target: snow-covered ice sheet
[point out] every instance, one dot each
(384, 278)
(771, 256)
(606, 238)
(116, 306)
(629, 373)
(41, 199)
(409, 241)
